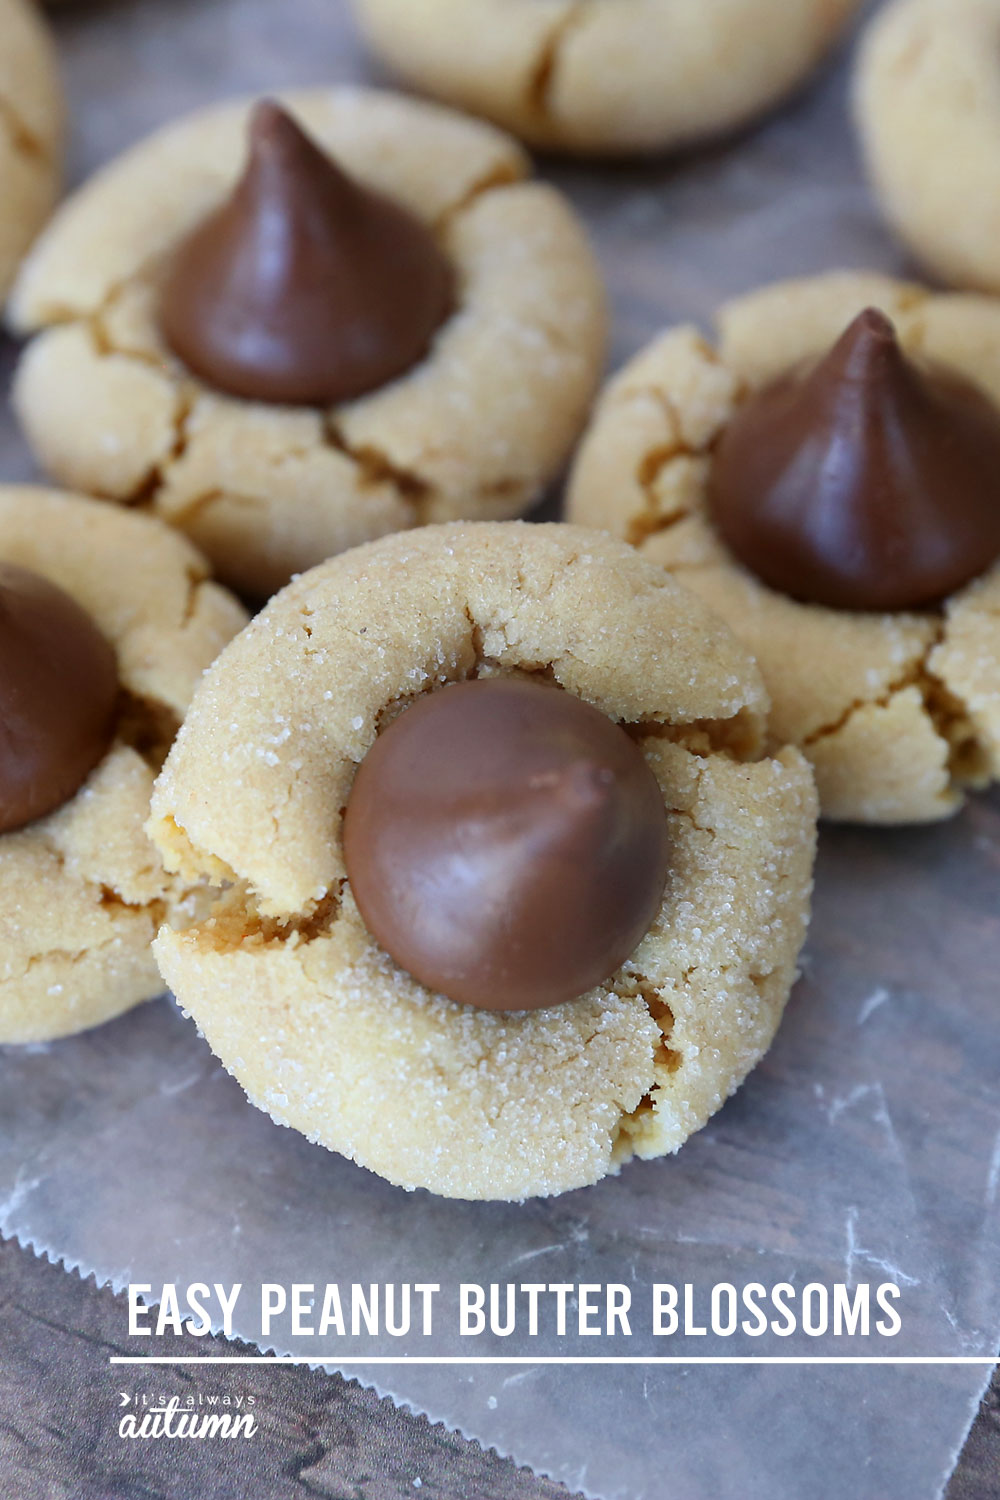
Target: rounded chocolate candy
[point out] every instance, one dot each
(304, 286)
(58, 695)
(506, 843)
(864, 481)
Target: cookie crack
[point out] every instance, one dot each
(652, 521)
(476, 638)
(112, 900)
(502, 175)
(969, 763)
(195, 584)
(699, 767)
(236, 922)
(691, 820)
(639, 987)
(184, 515)
(542, 79)
(25, 141)
(303, 928)
(910, 677)
(737, 738)
(108, 897)
(96, 319)
(375, 467)
(144, 494)
(666, 1061)
(71, 956)
(147, 493)
(948, 715)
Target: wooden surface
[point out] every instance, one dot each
(318, 1435)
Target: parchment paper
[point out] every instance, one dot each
(865, 1148)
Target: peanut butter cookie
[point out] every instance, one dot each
(897, 707)
(31, 128)
(537, 681)
(602, 77)
(107, 622)
(928, 115)
(177, 363)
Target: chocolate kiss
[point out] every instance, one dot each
(506, 843)
(58, 692)
(304, 286)
(863, 482)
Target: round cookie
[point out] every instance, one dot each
(31, 128)
(928, 113)
(320, 1026)
(476, 429)
(606, 76)
(899, 713)
(81, 890)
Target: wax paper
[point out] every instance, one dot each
(865, 1148)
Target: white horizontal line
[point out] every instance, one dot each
(554, 1359)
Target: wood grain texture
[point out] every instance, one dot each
(318, 1435)
(978, 1474)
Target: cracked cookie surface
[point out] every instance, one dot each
(475, 430)
(319, 1025)
(31, 129)
(606, 75)
(82, 891)
(898, 713)
(928, 113)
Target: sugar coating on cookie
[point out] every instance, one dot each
(82, 891)
(321, 1027)
(31, 130)
(606, 76)
(928, 114)
(475, 429)
(899, 713)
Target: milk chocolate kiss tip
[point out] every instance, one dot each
(863, 481)
(304, 286)
(58, 692)
(507, 844)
